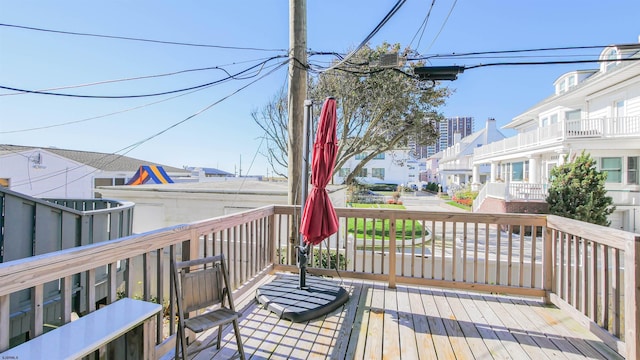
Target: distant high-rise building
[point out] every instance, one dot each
(448, 128)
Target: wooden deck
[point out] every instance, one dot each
(411, 322)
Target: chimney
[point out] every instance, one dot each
(489, 128)
(457, 137)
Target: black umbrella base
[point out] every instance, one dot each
(283, 297)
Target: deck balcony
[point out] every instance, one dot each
(424, 285)
(556, 134)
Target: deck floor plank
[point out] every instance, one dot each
(436, 326)
(375, 330)
(410, 322)
(424, 339)
(408, 331)
(460, 315)
(391, 337)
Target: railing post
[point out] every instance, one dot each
(271, 242)
(392, 251)
(632, 297)
(547, 265)
(5, 319)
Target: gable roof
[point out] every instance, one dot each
(100, 161)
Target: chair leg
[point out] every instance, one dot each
(236, 329)
(181, 344)
(219, 336)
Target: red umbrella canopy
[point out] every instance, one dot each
(319, 219)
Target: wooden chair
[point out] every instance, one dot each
(200, 284)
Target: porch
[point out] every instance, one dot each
(428, 276)
(411, 322)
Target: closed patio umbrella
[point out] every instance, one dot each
(319, 219)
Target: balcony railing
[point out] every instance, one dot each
(554, 133)
(589, 271)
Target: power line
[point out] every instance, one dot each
(103, 82)
(137, 39)
(528, 63)
(142, 95)
(427, 57)
(423, 27)
(387, 17)
(442, 27)
(129, 148)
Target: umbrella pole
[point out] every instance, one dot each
(303, 250)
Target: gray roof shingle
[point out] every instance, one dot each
(101, 161)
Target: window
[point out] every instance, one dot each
(362, 173)
(378, 173)
(103, 182)
(344, 172)
(379, 157)
(517, 171)
(613, 167)
(611, 57)
(553, 119)
(572, 81)
(544, 122)
(361, 156)
(632, 170)
(563, 88)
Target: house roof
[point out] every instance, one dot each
(211, 171)
(100, 161)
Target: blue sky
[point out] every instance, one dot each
(225, 136)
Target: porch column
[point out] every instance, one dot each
(534, 177)
(476, 174)
(492, 177)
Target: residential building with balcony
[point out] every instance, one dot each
(448, 128)
(596, 111)
(455, 168)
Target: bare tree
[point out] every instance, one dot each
(379, 109)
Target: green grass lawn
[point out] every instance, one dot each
(360, 227)
(377, 206)
(465, 207)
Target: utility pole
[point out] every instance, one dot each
(296, 96)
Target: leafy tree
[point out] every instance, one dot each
(379, 109)
(577, 191)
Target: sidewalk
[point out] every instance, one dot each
(427, 202)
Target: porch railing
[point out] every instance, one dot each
(518, 254)
(589, 127)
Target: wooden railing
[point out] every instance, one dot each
(517, 254)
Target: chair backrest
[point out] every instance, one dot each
(202, 283)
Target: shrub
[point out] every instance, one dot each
(326, 259)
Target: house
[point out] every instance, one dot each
(390, 167)
(455, 168)
(63, 173)
(430, 173)
(596, 111)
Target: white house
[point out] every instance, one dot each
(455, 167)
(597, 111)
(60, 173)
(391, 167)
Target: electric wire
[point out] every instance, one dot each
(108, 114)
(422, 27)
(137, 39)
(383, 22)
(123, 151)
(102, 82)
(442, 27)
(139, 95)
